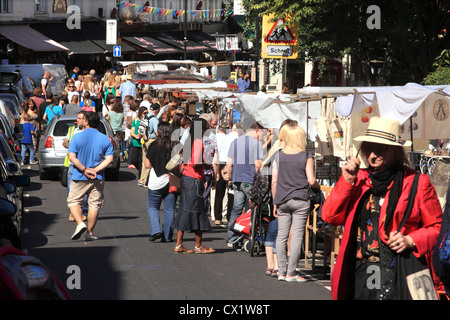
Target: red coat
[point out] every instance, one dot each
(422, 226)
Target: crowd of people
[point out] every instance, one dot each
(219, 162)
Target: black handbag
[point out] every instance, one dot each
(409, 278)
(314, 196)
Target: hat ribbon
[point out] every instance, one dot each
(383, 135)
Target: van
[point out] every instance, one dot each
(36, 72)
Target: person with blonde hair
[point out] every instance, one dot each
(292, 175)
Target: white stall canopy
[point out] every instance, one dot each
(429, 106)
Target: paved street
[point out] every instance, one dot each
(124, 265)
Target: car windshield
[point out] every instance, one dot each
(62, 127)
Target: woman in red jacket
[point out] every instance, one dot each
(370, 203)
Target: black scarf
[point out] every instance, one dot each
(380, 182)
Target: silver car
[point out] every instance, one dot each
(52, 153)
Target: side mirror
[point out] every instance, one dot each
(20, 181)
(7, 208)
(9, 186)
(19, 136)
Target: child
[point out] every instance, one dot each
(27, 142)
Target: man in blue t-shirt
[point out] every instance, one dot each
(127, 88)
(91, 152)
(244, 159)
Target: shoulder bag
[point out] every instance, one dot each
(412, 276)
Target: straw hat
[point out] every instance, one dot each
(383, 131)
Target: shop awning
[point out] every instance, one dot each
(202, 38)
(70, 38)
(151, 45)
(96, 32)
(176, 39)
(30, 38)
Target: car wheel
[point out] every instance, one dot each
(43, 174)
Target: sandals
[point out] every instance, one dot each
(269, 271)
(181, 249)
(203, 249)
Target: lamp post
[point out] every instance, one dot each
(185, 29)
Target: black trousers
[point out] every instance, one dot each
(221, 189)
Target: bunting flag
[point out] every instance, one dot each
(176, 12)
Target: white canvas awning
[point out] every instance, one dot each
(428, 105)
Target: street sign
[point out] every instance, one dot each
(117, 51)
(111, 31)
(278, 40)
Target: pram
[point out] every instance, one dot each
(251, 226)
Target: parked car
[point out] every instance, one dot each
(12, 137)
(52, 153)
(36, 72)
(12, 173)
(9, 116)
(13, 103)
(9, 83)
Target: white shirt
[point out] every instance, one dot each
(155, 182)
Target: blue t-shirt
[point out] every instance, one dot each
(91, 147)
(127, 89)
(27, 128)
(244, 151)
(56, 110)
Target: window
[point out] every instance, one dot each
(74, 3)
(40, 5)
(6, 6)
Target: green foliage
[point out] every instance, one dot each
(405, 45)
(439, 77)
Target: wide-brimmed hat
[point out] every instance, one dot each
(383, 131)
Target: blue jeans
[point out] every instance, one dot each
(30, 147)
(154, 199)
(69, 179)
(241, 195)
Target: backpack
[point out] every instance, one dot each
(144, 127)
(23, 277)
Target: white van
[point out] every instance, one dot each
(36, 72)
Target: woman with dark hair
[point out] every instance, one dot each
(192, 214)
(159, 153)
(107, 106)
(371, 202)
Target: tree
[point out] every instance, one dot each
(441, 75)
(401, 50)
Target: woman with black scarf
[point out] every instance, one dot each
(369, 200)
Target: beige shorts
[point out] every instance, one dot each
(94, 190)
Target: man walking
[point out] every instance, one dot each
(79, 127)
(244, 159)
(91, 152)
(148, 128)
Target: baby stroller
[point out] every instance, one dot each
(262, 214)
(251, 226)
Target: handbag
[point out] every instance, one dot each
(174, 183)
(175, 165)
(412, 279)
(314, 196)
